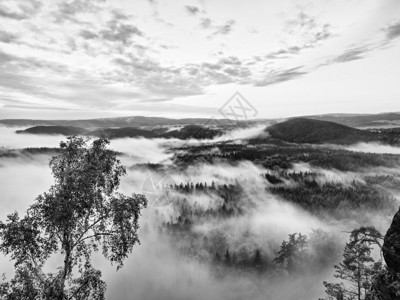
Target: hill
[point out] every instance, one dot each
(134, 121)
(62, 130)
(302, 130)
(187, 132)
(366, 120)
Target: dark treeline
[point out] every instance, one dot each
(329, 197)
(321, 198)
(284, 156)
(306, 189)
(334, 198)
(225, 201)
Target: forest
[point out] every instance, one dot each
(243, 213)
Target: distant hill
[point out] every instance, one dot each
(189, 131)
(62, 130)
(193, 132)
(302, 130)
(352, 120)
(135, 121)
(125, 132)
(370, 120)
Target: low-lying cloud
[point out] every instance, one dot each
(156, 269)
(374, 148)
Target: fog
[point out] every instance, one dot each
(374, 148)
(329, 176)
(156, 269)
(245, 133)
(12, 140)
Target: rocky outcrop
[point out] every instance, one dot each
(386, 286)
(391, 245)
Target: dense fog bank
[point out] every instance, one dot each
(168, 265)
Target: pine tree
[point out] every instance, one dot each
(227, 258)
(257, 261)
(357, 268)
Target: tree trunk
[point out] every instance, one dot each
(67, 265)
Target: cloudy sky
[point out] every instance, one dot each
(105, 58)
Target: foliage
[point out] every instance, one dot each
(271, 154)
(358, 268)
(81, 212)
(293, 251)
(333, 198)
(335, 290)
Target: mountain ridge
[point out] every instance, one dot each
(386, 119)
(311, 131)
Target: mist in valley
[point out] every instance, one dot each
(163, 267)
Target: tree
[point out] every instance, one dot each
(258, 263)
(369, 235)
(357, 267)
(292, 251)
(81, 212)
(217, 258)
(227, 257)
(335, 290)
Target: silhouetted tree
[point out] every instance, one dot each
(292, 251)
(258, 261)
(227, 257)
(357, 267)
(81, 212)
(335, 290)
(217, 257)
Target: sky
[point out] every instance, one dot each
(187, 58)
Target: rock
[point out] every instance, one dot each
(386, 285)
(391, 245)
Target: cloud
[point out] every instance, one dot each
(68, 10)
(231, 60)
(351, 54)
(192, 10)
(172, 86)
(225, 70)
(374, 148)
(303, 32)
(4, 12)
(108, 43)
(73, 90)
(225, 28)
(155, 100)
(284, 52)
(158, 268)
(24, 9)
(137, 64)
(160, 81)
(4, 58)
(277, 76)
(7, 37)
(117, 31)
(88, 35)
(393, 31)
(302, 20)
(205, 23)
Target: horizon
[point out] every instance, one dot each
(205, 118)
